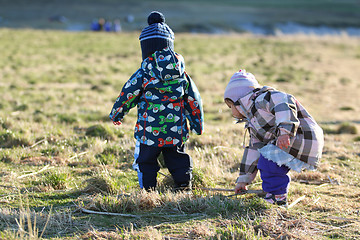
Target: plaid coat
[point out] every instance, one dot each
(269, 114)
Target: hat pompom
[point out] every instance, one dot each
(155, 17)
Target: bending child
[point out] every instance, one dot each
(165, 97)
(283, 135)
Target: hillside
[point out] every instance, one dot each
(61, 157)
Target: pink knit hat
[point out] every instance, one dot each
(241, 83)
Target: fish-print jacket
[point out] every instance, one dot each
(269, 114)
(166, 98)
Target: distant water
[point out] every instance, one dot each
(295, 28)
(287, 28)
(77, 27)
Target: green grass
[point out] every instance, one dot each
(59, 150)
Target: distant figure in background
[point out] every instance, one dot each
(129, 18)
(98, 24)
(101, 24)
(108, 26)
(95, 25)
(117, 25)
(283, 135)
(167, 100)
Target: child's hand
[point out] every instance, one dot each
(241, 186)
(283, 141)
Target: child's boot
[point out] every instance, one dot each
(183, 187)
(280, 199)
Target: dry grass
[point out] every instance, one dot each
(54, 113)
(97, 185)
(25, 223)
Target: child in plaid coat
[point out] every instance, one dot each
(283, 135)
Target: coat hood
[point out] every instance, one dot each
(245, 103)
(165, 65)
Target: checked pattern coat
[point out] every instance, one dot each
(270, 113)
(166, 98)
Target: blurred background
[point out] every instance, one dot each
(264, 17)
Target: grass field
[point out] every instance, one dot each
(60, 156)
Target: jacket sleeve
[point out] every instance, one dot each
(193, 107)
(128, 98)
(284, 108)
(248, 165)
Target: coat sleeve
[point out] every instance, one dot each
(193, 107)
(284, 108)
(128, 98)
(248, 165)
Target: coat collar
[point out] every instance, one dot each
(245, 103)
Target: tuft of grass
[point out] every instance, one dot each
(4, 124)
(345, 80)
(26, 223)
(56, 180)
(67, 118)
(346, 108)
(10, 139)
(309, 176)
(124, 233)
(106, 159)
(21, 107)
(347, 128)
(329, 130)
(97, 184)
(50, 151)
(343, 128)
(200, 179)
(113, 154)
(357, 139)
(101, 131)
(237, 230)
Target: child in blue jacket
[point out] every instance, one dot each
(167, 100)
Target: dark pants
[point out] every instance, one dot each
(275, 179)
(176, 160)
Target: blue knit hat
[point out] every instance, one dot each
(157, 36)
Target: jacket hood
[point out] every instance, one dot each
(165, 65)
(245, 103)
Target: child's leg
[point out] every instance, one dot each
(146, 165)
(179, 164)
(275, 179)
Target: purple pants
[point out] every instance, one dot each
(275, 179)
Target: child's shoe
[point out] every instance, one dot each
(280, 200)
(184, 187)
